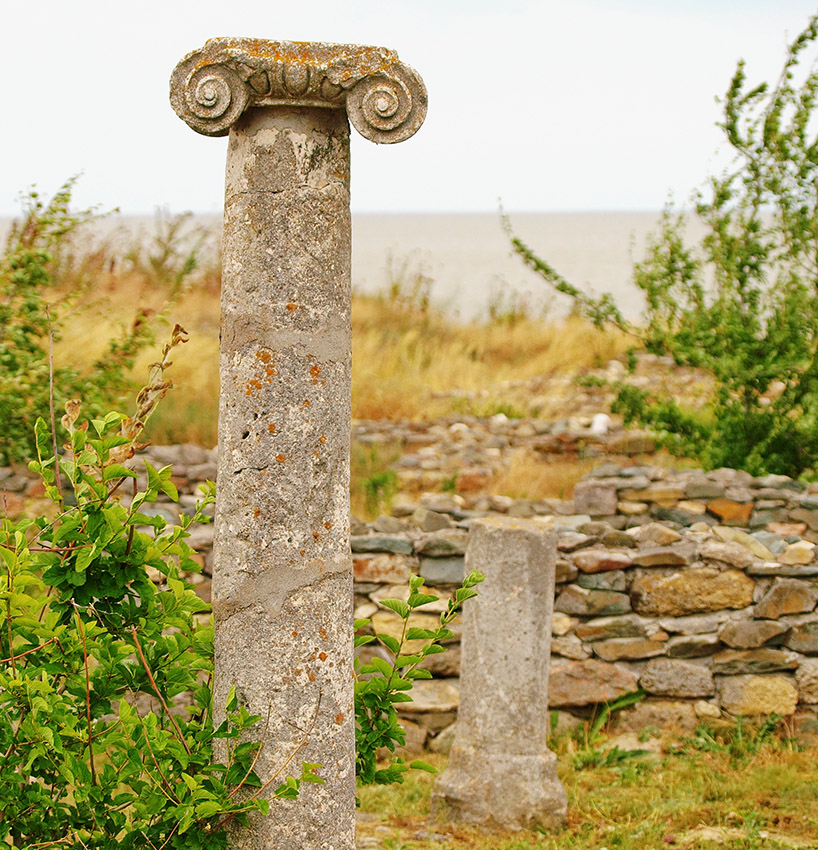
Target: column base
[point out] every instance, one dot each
(507, 790)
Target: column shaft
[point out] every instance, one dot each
(282, 583)
(501, 771)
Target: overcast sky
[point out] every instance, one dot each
(549, 104)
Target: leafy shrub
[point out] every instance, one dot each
(29, 324)
(743, 304)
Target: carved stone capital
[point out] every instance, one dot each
(211, 88)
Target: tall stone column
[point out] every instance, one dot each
(282, 575)
(501, 772)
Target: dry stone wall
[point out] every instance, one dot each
(699, 588)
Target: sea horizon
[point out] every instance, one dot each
(466, 258)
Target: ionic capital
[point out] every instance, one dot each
(211, 88)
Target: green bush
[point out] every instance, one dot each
(742, 304)
(30, 322)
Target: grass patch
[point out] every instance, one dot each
(686, 798)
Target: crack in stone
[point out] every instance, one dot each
(253, 468)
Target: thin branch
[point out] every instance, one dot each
(87, 695)
(156, 690)
(27, 652)
(57, 479)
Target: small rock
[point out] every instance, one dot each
(673, 678)
(382, 543)
(570, 646)
(431, 695)
(595, 498)
(632, 508)
(695, 624)
(392, 569)
(804, 638)
(611, 580)
(754, 695)
(806, 677)
(750, 634)
(786, 596)
(427, 520)
(443, 570)
(587, 682)
(655, 534)
(733, 554)
(442, 742)
(570, 541)
(692, 646)
(561, 624)
(785, 529)
(599, 560)
(659, 556)
(699, 589)
(606, 628)
(732, 662)
(664, 715)
(443, 543)
(627, 649)
(734, 535)
(591, 603)
(798, 553)
(703, 708)
(565, 571)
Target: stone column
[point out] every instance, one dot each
(282, 579)
(501, 772)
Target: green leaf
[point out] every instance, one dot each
(398, 606)
(117, 470)
(417, 764)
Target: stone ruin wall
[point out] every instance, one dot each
(701, 589)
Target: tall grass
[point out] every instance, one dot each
(410, 361)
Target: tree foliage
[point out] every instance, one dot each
(743, 303)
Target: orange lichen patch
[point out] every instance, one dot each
(264, 356)
(257, 512)
(315, 371)
(323, 633)
(316, 535)
(292, 307)
(323, 656)
(328, 525)
(307, 402)
(295, 634)
(272, 427)
(281, 458)
(311, 676)
(253, 386)
(302, 552)
(270, 371)
(339, 718)
(315, 453)
(322, 439)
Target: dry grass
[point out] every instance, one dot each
(409, 360)
(688, 799)
(531, 475)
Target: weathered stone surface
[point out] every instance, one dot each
(659, 556)
(391, 569)
(806, 677)
(444, 665)
(391, 525)
(786, 596)
(594, 498)
(611, 580)
(382, 543)
(442, 570)
(808, 517)
(801, 552)
(750, 634)
(660, 494)
(606, 628)
(587, 682)
(570, 646)
(698, 589)
(673, 678)
(665, 715)
(431, 695)
(784, 529)
(566, 571)
(627, 649)
(570, 541)
(732, 554)
(754, 695)
(500, 768)
(654, 534)
(282, 575)
(442, 742)
(561, 623)
(600, 560)
(632, 508)
(591, 603)
(443, 544)
(736, 535)
(692, 646)
(695, 624)
(732, 662)
(427, 520)
(772, 568)
(804, 638)
(702, 488)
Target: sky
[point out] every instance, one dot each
(551, 105)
